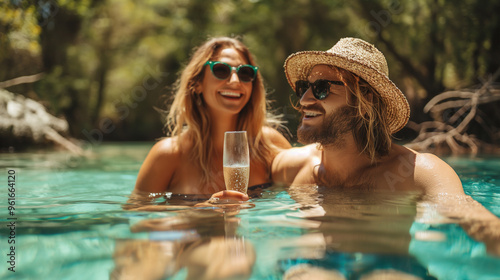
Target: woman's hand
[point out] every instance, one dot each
(229, 202)
(229, 196)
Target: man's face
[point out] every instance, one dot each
(326, 121)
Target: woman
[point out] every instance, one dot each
(219, 90)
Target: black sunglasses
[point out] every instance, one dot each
(246, 73)
(320, 88)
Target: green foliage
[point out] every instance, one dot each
(19, 33)
(116, 58)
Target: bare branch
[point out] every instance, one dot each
(21, 80)
(437, 134)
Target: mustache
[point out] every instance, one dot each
(313, 107)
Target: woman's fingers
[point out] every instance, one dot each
(230, 195)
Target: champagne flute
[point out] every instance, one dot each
(236, 161)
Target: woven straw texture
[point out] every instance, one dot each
(362, 59)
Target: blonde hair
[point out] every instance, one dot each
(186, 115)
(372, 132)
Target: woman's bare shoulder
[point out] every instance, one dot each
(171, 146)
(160, 165)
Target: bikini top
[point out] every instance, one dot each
(178, 197)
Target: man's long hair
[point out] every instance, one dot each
(371, 132)
(186, 115)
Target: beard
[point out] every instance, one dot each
(332, 130)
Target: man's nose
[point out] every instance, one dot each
(307, 98)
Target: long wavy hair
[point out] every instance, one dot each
(371, 132)
(188, 114)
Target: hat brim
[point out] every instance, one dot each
(298, 66)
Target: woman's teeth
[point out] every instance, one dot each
(230, 94)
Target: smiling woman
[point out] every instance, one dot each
(220, 90)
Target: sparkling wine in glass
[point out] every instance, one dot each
(236, 161)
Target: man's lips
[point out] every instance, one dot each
(311, 112)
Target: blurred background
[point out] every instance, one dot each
(103, 65)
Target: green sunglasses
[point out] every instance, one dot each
(246, 73)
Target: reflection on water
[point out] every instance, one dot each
(71, 224)
(196, 244)
(362, 235)
(356, 221)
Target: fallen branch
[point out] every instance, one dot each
(24, 121)
(442, 133)
(52, 135)
(21, 80)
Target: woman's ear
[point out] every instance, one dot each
(198, 88)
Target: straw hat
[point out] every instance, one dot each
(362, 59)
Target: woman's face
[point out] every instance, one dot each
(225, 96)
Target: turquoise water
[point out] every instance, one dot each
(69, 224)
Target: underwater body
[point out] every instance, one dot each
(70, 223)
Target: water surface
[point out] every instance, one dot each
(70, 224)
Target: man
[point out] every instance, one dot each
(350, 108)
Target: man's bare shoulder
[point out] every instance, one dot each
(425, 172)
(435, 176)
(299, 155)
(276, 137)
(288, 163)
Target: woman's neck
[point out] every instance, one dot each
(221, 124)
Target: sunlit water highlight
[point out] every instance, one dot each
(71, 225)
